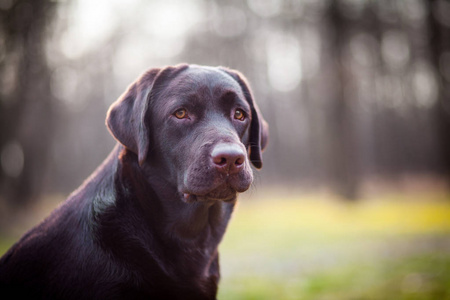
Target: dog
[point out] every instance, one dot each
(147, 223)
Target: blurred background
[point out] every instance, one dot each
(353, 201)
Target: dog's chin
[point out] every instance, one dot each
(217, 195)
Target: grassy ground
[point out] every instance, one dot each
(394, 247)
(417, 277)
(317, 247)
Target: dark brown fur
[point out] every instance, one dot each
(147, 223)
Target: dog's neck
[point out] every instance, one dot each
(194, 222)
(165, 231)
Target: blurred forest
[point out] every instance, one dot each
(354, 90)
(357, 96)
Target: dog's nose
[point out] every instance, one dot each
(228, 158)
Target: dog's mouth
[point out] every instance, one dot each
(224, 194)
(190, 198)
(210, 185)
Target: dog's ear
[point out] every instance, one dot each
(126, 117)
(259, 129)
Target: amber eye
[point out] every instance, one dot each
(181, 113)
(239, 115)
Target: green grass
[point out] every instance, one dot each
(396, 247)
(317, 247)
(419, 277)
(5, 243)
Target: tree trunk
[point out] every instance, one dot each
(25, 99)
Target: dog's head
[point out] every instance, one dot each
(197, 127)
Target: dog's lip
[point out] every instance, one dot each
(223, 192)
(190, 198)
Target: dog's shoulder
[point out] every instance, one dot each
(63, 244)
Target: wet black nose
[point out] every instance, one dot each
(228, 158)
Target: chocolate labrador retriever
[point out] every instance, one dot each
(147, 223)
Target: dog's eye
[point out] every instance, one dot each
(181, 113)
(239, 115)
